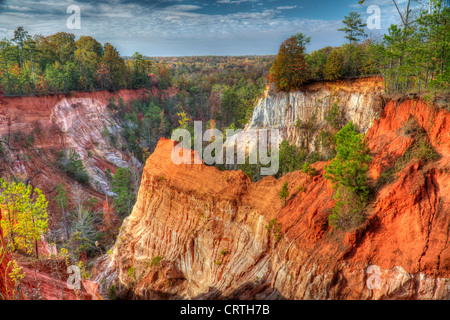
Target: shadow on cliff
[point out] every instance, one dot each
(248, 291)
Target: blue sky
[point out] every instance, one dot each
(183, 27)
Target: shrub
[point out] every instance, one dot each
(349, 210)
(284, 192)
(131, 272)
(156, 261)
(349, 168)
(112, 295)
(122, 184)
(73, 166)
(309, 170)
(274, 227)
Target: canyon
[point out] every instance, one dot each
(199, 233)
(196, 232)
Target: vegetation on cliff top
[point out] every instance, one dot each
(413, 56)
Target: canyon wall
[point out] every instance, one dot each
(199, 233)
(41, 127)
(359, 100)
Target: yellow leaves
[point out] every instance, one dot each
(24, 217)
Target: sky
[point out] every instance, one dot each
(192, 28)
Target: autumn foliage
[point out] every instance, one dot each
(290, 69)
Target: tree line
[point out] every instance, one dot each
(412, 56)
(60, 63)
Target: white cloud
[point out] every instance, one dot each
(286, 7)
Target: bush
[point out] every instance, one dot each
(156, 261)
(349, 168)
(74, 167)
(274, 227)
(349, 210)
(112, 295)
(309, 170)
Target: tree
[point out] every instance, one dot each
(284, 192)
(24, 215)
(141, 69)
(290, 69)
(122, 185)
(349, 168)
(291, 158)
(231, 107)
(21, 36)
(83, 222)
(334, 68)
(87, 56)
(354, 27)
(348, 173)
(74, 166)
(316, 62)
(116, 66)
(61, 200)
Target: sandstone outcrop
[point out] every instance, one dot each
(200, 233)
(360, 101)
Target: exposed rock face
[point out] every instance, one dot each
(64, 122)
(199, 233)
(359, 100)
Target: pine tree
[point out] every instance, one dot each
(284, 192)
(354, 27)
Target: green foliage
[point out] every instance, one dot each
(284, 192)
(24, 215)
(291, 158)
(415, 56)
(131, 271)
(112, 294)
(348, 173)
(334, 67)
(308, 169)
(349, 168)
(122, 184)
(156, 261)
(74, 166)
(354, 27)
(335, 117)
(349, 210)
(274, 228)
